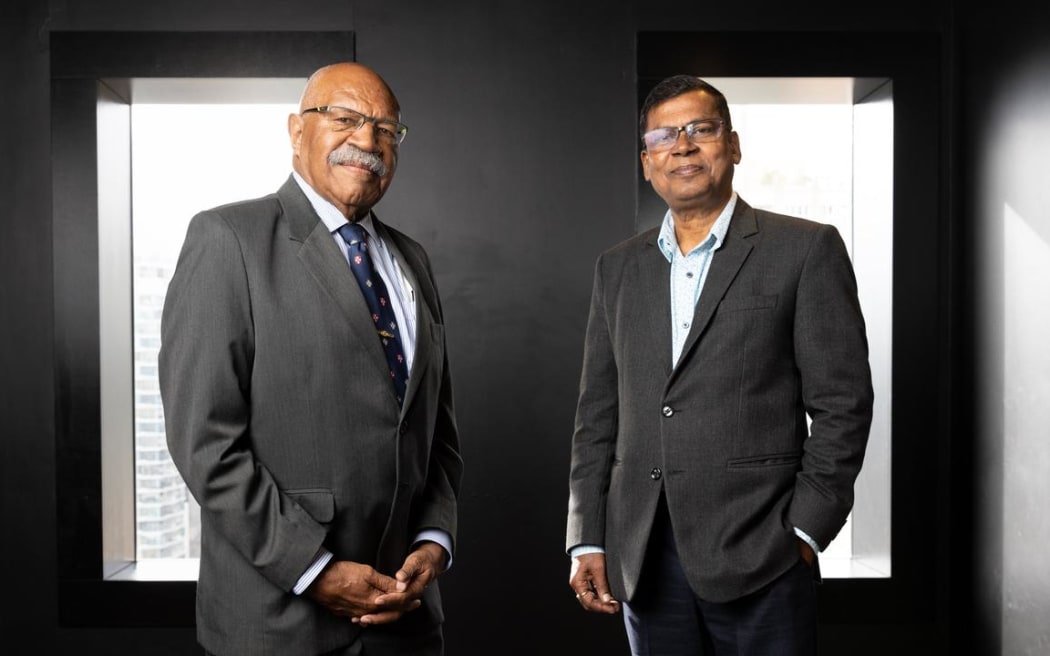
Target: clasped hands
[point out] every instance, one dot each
(367, 597)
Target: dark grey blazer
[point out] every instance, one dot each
(281, 417)
(778, 332)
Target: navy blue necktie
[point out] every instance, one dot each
(375, 292)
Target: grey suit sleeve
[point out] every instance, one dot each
(831, 353)
(594, 435)
(205, 369)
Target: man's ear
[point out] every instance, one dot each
(295, 132)
(734, 145)
(645, 164)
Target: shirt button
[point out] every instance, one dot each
(685, 324)
(667, 411)
(655, 474)
(688, 274)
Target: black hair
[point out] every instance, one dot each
(675, 86)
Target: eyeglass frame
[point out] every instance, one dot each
(401, 130)
(689, 129)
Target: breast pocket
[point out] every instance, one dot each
(741, 303)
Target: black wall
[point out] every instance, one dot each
(522, 148)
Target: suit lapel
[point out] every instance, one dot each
(654, 272)
(322, 258)
(725, 264)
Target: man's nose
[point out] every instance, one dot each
(365, 137)
(682, 143)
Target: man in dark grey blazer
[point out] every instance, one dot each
(698, 497)
(327, 493)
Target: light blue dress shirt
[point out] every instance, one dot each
(688, 272)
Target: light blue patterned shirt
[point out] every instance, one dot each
(689, 271)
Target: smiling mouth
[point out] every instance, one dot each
(357, 167)
(689, 169)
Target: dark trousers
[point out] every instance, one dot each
(667, 619)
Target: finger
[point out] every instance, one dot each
(601, 589)
(408, 571)
(386, 616)
(371, 619)
(395, 600)
(415, 575)
(590, 600)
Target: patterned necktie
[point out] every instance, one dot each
(378, 299)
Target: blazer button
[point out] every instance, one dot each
(403, 428)
(655, 474)
(667, 411)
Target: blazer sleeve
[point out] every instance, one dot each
(597, 422)
(831, 352)
(205, 368)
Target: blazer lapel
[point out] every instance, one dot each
(725, 264)
(654, 272)
(322, 258)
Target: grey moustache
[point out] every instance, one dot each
(348, 154)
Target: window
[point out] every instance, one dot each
(162, 130)
(239, 123)
(834, 165)
(110, 447)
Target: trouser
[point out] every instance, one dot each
(666, 618)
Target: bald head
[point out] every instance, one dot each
(350, 167)
(347, 76)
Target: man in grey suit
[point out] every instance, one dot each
(698, 498)
(328, 493)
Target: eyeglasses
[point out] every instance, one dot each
(661, 139)
(344, 119)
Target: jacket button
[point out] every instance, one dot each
(403, 428)
(667, 411)
(655, 474)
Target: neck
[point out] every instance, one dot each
(691, 228)
(693, 224)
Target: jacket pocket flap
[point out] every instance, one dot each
(319, 504)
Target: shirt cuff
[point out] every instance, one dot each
(581, 549)
(441, 538)
(810, 541)
(320, 560)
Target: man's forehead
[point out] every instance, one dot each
(374, 97)
(693, 98)
(695, 102)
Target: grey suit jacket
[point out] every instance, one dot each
(282, 419)
(777, 333)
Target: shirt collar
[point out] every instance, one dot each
(668, 243)
(332, 218)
